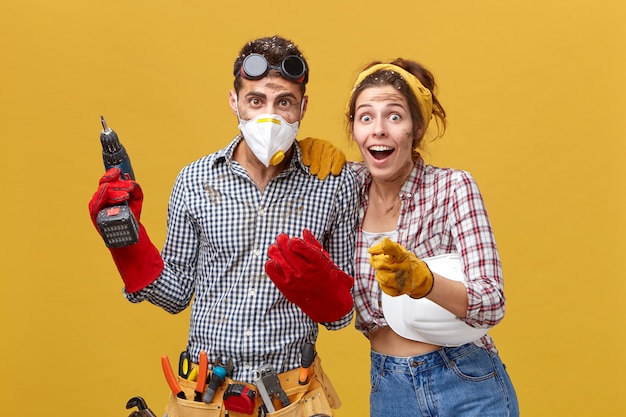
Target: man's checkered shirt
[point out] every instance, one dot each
(219, 229)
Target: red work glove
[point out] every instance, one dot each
(305, 274)
(138, 264)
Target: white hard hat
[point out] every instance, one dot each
(424, 321)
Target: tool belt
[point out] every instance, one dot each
(316, 397)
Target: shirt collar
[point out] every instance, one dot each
(226, 154)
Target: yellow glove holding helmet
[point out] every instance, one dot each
(322, 157)
(398, 271)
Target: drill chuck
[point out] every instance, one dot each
(113, 152)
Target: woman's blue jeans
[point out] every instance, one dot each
(450, 382)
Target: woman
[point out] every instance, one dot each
(430, 354)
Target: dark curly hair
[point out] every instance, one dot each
(274, 49)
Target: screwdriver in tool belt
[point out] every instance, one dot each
(219, 373)
(308, 354)
(184, 364)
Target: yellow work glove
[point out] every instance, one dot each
(322, 157)
(399, 271)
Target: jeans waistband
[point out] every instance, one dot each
(440, 357)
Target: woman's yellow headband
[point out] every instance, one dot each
(423, 95)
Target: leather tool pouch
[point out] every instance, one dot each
(318, 396)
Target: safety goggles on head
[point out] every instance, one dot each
(255, 67)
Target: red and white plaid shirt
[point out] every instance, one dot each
(442, 212)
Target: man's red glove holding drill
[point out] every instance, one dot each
(305, 274)
(138, 264)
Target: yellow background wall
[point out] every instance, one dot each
(535, 94)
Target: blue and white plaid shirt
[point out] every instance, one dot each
(219, 229)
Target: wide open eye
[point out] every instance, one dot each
(286, 103)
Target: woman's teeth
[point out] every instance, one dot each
(380, 151)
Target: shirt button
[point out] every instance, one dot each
(257, 252)
(261, 211)
(248, 333)
(252, 292)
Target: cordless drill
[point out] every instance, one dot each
(117, 224)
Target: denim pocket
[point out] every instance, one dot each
(475, 366)
(375, 371)
(374, 378)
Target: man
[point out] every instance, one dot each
(226, 210)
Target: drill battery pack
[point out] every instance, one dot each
(118, 226)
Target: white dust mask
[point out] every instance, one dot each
(269, 136)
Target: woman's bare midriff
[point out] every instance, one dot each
(386, 341)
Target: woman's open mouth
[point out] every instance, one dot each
(380, 152)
